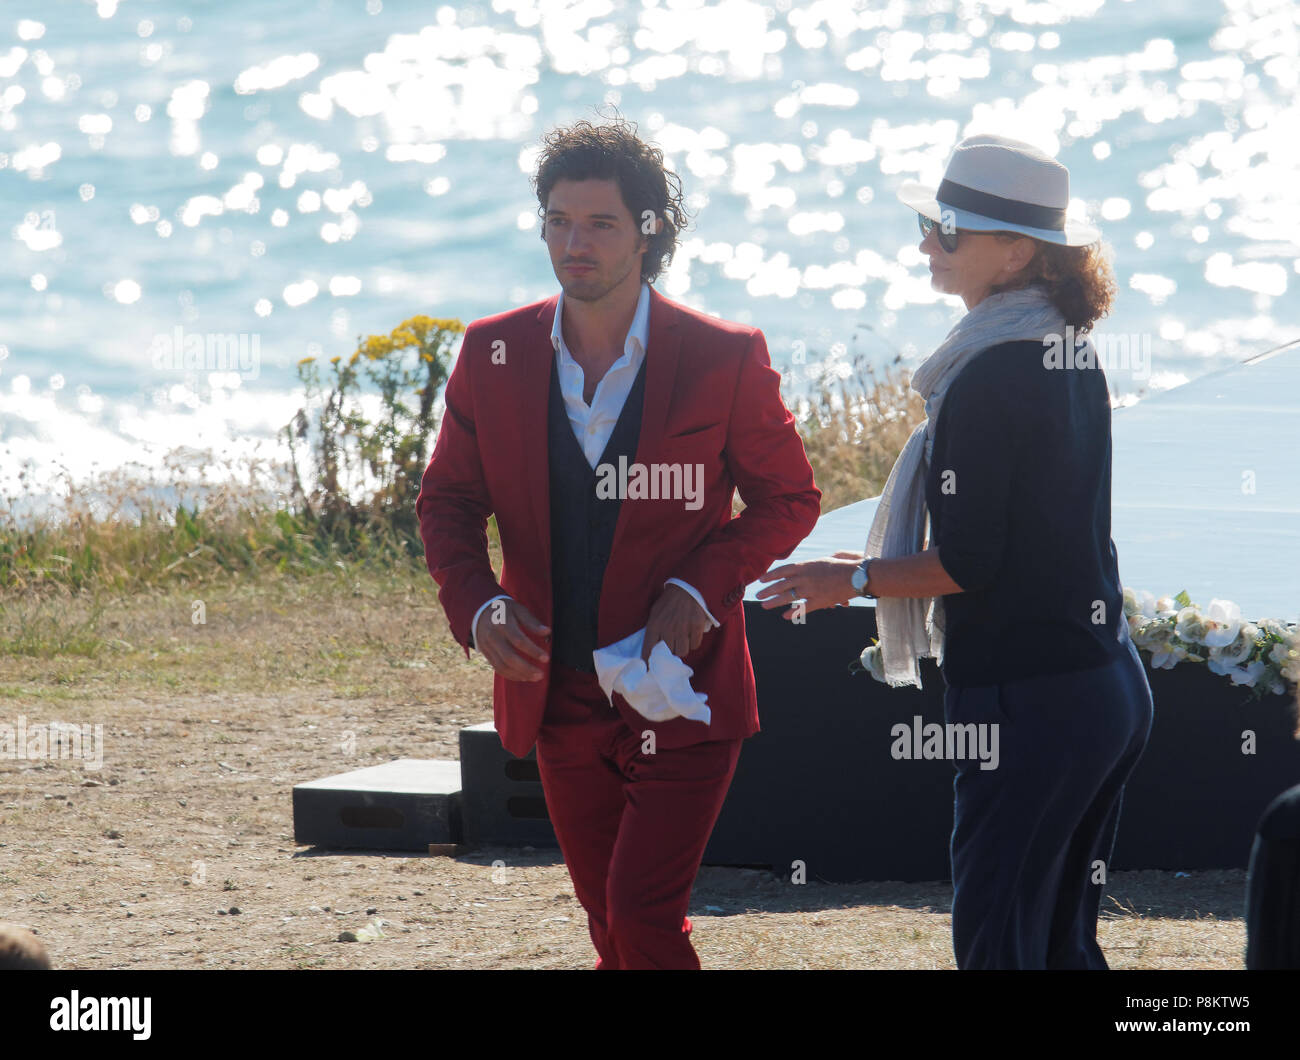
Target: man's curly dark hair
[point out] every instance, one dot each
(614, 152)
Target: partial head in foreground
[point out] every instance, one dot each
(20, 949)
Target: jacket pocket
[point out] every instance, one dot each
(691, 432)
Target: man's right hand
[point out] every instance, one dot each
(503, 635)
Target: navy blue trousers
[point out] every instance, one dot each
(1032, 838)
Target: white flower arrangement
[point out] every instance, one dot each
(1264, 655)
(871, 661)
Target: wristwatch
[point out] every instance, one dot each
(862, 578)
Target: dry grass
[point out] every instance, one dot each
(304, 641)
(201, 519)
(855, 430)
(208, 728)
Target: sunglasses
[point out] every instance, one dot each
(947, 240)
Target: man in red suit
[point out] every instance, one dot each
(543, 404)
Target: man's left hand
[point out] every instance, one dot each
(677, 620)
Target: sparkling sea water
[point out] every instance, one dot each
(297, 174)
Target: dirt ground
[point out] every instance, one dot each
(179, 851)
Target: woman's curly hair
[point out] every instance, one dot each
(1079, 280)
(614, 152)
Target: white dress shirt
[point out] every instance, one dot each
(593, 424)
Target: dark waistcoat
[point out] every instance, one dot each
(582, 524)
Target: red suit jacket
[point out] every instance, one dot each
(711, 398)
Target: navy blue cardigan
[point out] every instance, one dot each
(1018, 491)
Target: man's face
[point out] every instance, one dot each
(595, 242)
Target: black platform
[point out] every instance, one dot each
(819, 785)
(405, 804)
(501, 797)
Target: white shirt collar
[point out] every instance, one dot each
(638, 333)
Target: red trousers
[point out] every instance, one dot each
(632, 826)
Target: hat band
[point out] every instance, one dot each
(1029, 214)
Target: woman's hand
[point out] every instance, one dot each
(819, 583)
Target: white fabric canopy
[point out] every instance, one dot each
(1184, 464)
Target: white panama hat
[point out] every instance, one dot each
(996, 184)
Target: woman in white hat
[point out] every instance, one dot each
(1017, 595)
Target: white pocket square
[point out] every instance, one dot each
(658, 693)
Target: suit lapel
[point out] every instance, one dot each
(532, 403)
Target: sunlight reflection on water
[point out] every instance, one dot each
(309, 176)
